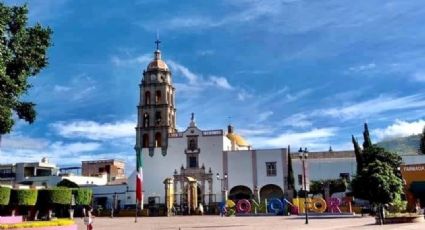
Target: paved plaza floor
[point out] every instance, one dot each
(230, 223)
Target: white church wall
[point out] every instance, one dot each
(271, 155)
(327, 168)
(156, 169)
(211, 156)
(240, 169)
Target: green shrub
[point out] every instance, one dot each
(60, 195)
(83, 196)
(4, 196)
(26, 197)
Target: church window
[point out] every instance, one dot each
(158, 117)
(158, 97)
(145, 141)
(271, 168)
(158, 140)
(193, 162)
(192, 144)
(145, 120)
(147, 98)
(300, 179)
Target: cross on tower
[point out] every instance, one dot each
(157, 43)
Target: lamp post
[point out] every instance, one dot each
(303, 157)
(223, 186)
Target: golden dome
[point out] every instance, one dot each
(157, 63)
(240, 141)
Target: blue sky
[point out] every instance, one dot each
(305, 73)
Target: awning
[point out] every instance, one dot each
(418, 188)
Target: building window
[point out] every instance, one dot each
(300, 179)
(193, 162)
(271, 168)
(147, 98)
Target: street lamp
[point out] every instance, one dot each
(223, 185)
(303, 157)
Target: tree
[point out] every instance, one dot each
(23, 54)
(367, 142)
(422, 142)
(291, 179)
(377, 183)
(378, 180)
(358, 153)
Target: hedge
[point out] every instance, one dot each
(25, 197)
(4, 196)
(83, 196)
(60, 195)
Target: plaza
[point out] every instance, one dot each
(231, 223)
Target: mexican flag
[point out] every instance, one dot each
(139, 178)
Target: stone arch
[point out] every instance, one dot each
(270, 191)
(158, 96)
(145, 143)
(240, 192)
(147, 98)
(146, 120)
(158, 139)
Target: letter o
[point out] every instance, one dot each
(275, 205)
(319, 205)
(243, 206)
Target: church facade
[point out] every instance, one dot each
(221, 162)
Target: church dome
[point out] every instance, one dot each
(157, 63)
(235, 138)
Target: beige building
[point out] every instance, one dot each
(114, 169)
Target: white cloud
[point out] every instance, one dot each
(399, 128)
(298, 120)
(26, 149)
(313, 139)
(374, 106)
(264, 116)
(197, 82)
(142, 59)
(220, 82)
(95, 131)
(11, 141)
(419, 76)
(363, 68)
(185, 72)
(59, 88)
(205, 52)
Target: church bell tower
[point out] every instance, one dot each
(156, 109)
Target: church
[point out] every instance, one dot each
(218, 163)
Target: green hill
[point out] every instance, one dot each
(402, 145)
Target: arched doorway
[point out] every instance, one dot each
(240, 192)
(147, 98)
(145, 140)
(270, 191)
(158, 140)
